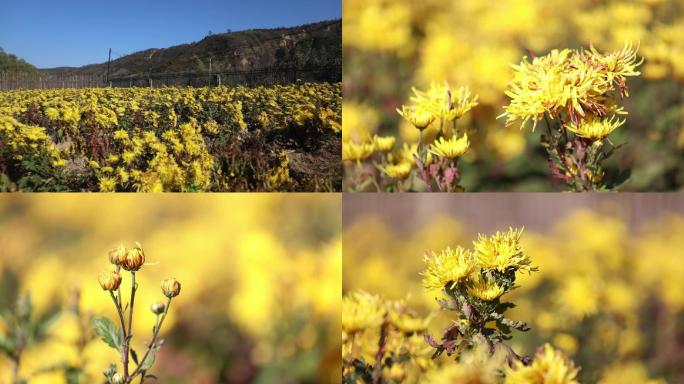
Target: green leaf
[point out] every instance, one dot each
(107, 332)
(149, 361)
(134, 355)
(7, 346)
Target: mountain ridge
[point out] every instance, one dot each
(313, 44)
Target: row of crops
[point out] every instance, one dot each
(171, 139)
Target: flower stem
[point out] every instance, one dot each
(124, 347)
(130, 324)
(382, 343)
(150, 347)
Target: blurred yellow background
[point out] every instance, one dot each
(260, 275)
(610, 290)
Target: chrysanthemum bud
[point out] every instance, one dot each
(110, 370)
(158, 308)
(170, 287)
(109, 281)
(135, 258)
(117, 255)
(117, 378)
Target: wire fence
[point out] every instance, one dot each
(264, 76)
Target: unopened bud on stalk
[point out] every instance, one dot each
(170, 287)
(158, 308)
(110, 370)
(117, 378)
(109, 281)
(135, 258)
(117, 255)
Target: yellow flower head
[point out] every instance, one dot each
(419, 116)
(383, 143)
(595, 128)
(570, 82)
(451, 148)
(361, 310)
(117, 256)
(52, 113)
(443, 102)
(406, 154)
(110, 281)
(549, 367)
(404, 319)
(398, 171)
(484, 288)
(476, 366)
(501, 251)
(447, 268)
(617, 65)
(170, 287)
(356, 152)
(135, 258)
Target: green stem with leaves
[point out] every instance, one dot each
(151, 346)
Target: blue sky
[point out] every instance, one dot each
(78, 32)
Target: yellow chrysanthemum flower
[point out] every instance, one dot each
(419, 116)
(398, 171)
(484, 289)
(501, 251)
(448, 267)
(450, 148)
(361, 310)
(107, 184)
(444, 103)
(568, 81)
(52, 113)
(595, 128)
(476, 366)
(549, 367)
(407, 322)
(406, 154)
(356, 152)
(383, 143)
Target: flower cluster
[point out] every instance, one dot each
(473, 282)
(576, 91)
(596, 305)
(571, 85)
(389, 45)
(119, 337)
(172, 139)
(435, 163)
(549, 366)
(26, 154)
(382, 341)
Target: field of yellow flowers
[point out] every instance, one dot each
(459, 72)
(260, 277)
(603, 302)
(280, 138)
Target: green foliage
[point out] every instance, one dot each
(108, 332)
(12, 63)
(24, 327)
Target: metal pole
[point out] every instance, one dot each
(109, 59)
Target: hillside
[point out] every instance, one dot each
(307, 45)
(11, 63)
